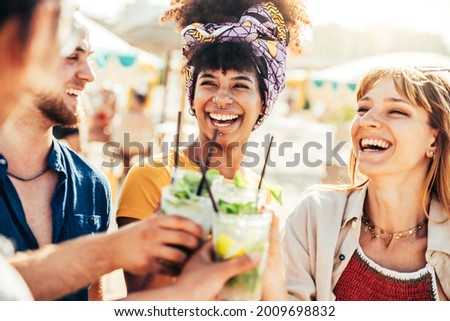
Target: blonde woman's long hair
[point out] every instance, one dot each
(429, 90)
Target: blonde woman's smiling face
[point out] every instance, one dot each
(390, 135)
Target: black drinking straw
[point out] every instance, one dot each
(202, 181)
(265, 163)
(263, 171)
(208, 188)
(177, 144)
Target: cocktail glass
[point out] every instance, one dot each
(241, 227)
(236, 235)
(180, 198)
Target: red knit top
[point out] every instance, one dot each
(365, 280)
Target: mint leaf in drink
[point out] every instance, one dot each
(228, 208)
(181, 190)
(247, 208)
(187, 183)
(192, 179)
(211, 175)
(182, 194)
(239, 180)
(236, 208)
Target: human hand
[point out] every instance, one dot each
(274, 286)
(203, 279)
(139, 247)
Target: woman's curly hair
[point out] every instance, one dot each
(186, 12)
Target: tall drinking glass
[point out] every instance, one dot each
(241, 228)
(180, 198)
(236, 235)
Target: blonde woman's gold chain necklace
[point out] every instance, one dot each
(377, 232)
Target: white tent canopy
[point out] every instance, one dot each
(106, 45)
(118, 64)
(331, 91)
(349, 73)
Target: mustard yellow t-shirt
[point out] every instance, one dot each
(142, 189)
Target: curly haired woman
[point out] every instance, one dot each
(235, 69)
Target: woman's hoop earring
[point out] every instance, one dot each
(192, 111)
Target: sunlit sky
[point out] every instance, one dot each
(425, 15)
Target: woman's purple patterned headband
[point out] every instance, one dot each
(263, 27)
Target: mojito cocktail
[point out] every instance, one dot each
(236, 235)
(180, 198)
(239, 229)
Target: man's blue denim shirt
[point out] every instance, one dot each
(81, 204)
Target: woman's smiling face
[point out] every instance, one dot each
(390, 135)
(229, 102)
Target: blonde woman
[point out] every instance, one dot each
(386, 237)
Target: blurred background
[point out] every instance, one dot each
(139, 87)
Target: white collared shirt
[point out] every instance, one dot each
(322, 233)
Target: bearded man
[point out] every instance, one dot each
(49, 193)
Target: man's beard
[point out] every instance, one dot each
(55, 110)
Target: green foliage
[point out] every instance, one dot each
(211, 175)
(237, 208)
(192, 180)
(186, 188)
(275, 191)
(239, 180)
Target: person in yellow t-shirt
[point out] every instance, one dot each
(142, 189)
(234, 72)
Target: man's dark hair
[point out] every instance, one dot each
(21, 10)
